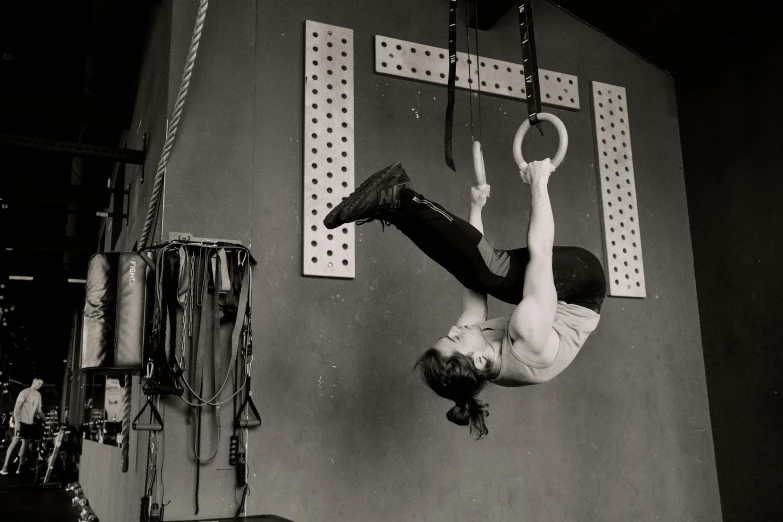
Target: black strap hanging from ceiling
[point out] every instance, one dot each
(529, 61)
(471, 57)
(452, 75)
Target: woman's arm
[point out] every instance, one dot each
(474, 308)
(474, 304)
(533, 318)
(541, 228)
(478, 198)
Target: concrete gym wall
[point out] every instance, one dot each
(734, 203)
(350, 432)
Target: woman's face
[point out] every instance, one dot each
(469, 341)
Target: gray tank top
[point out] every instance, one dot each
(573, 325)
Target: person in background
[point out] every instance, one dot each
(27, 408)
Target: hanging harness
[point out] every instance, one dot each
(200, 286)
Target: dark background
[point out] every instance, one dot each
(733, 154)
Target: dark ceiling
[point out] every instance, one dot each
(68, 73)
(673, 34)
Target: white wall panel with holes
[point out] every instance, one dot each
(620, 212)
(431, 64)
(328, 148)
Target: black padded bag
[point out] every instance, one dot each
(117, 311)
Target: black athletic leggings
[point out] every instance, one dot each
(458, 247)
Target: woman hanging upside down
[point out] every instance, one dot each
(558, 290)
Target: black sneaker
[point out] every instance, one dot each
(378, 193)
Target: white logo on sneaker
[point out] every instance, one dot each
(391, 197)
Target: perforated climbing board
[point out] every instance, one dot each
(328, 148)
(429, 64)
(622, 237)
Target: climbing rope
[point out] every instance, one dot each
(173, 124)
(157, 185)
(126, 422)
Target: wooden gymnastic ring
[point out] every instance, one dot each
(561, 132)
(478, 165)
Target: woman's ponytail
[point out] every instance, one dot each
(470, 412)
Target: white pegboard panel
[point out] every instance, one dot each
(431, 64)
(328, 149)
(622, 237)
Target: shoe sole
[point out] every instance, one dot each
(332, 220)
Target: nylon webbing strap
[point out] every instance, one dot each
(170, 296)
(194, 324)
(225, 279)
(216, 351)
(197, 485)
(241, 311)
(529, 62)
(452, 75)
(203, 288)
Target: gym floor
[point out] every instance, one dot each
(21, 501)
